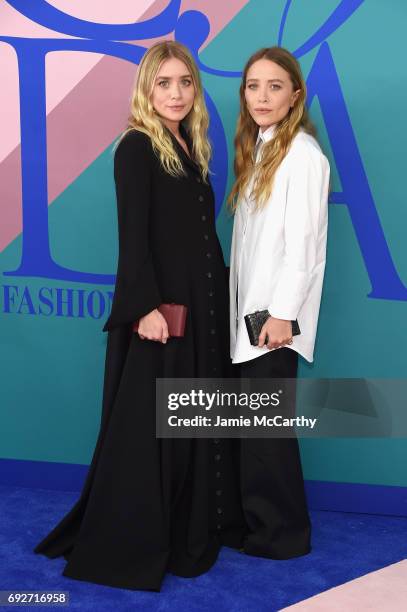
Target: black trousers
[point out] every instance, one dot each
(272, 485)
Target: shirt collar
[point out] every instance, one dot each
(266, 135)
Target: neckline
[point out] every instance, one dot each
(187, 141)
(187, 158)
(267, 134)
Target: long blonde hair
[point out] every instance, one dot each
(275, 149)
(144, 119)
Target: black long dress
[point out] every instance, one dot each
(149, 505)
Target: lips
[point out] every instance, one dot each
(176, 108)
(262, 110)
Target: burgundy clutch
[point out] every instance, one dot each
(175, 315)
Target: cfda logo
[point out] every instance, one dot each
(192, 28)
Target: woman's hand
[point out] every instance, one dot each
(153, 326)
(278, 333)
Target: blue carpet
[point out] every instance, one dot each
(321, 495)
(345, 546)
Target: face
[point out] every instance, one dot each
(173, 92)
(269, 93)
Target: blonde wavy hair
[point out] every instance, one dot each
(275, 149)
(144, 118)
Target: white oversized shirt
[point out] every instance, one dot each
(278, 252)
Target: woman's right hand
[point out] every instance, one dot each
(153, 326)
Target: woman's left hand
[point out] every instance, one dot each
(278, 333)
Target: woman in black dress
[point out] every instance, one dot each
(154, 505)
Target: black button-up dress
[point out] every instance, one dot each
(151, 505)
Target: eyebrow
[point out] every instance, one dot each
(184, 76)
(269, 80)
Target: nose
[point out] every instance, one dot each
(262, 94)
(175, 91)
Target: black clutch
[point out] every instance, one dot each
(256, 320)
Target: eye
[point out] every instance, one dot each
(252, 86)
(274, 86)
(164, 83)
(186, 82)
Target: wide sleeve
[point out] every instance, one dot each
(305, 228)
(136, 292)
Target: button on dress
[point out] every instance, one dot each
(151, 506)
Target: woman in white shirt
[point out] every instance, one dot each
(278, 252)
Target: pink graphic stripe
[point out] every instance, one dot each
(384, 590)
(63, 70)
(119, 11)
(83, 124)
